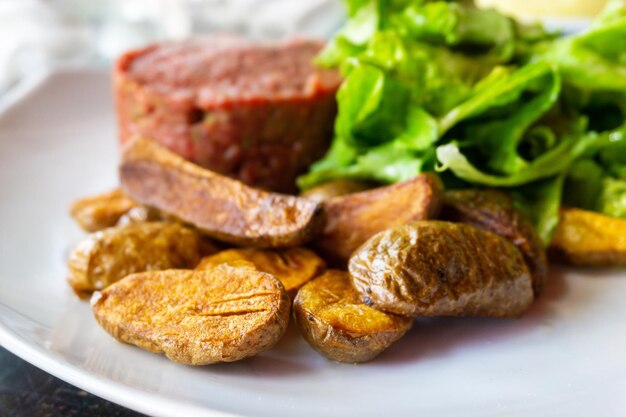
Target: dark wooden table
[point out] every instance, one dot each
(26, 391)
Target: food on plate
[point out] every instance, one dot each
(354, 218)
(221, 207)
(493, 211)
(408, 96)
(225, 314)
(589, 239)
(142, 214)
(332, 318)
(260, 113)
(483, 99)
(293, 266)
(109, 255)
(336, 188)
(100, 211)
(436, 268)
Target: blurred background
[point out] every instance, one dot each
(36, 35)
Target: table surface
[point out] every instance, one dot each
(26, 391)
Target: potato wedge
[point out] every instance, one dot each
(196, 317)
(336, 323)
(294, 267)
(336, 188)
(587, 238)
(435, 268)
(101, 211)
(493, 211)
(354, 218)
(109, 255)
(222, 207)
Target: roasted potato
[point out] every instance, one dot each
(142, 214)
(224, 314)
(109, 255)
(222, 207)
(494, 212)
(336, 188)
(293, 266)
(336, 323)
(435, 268)
(101, 211)
(354, 218)
(587, 238)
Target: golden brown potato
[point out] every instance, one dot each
(101, 211)
(586, 238)
(109, 255)
(336, 323)
(435, 268)
(354, 218)
(224, 314)
(336, 188)
(142, 214)
(494, 212)
(222, 207)
(293, 267)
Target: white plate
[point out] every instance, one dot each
(57, 143)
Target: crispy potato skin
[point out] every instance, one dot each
(294, 267)
(336, 188)
(109, 255)
(101, 211)
(586, 238)
(494, 212)
(337, 324)
(196, 317)
(221, 207)
(354, 218)
(435, 268)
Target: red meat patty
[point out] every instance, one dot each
(259, 113)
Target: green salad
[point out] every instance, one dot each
(485, 101)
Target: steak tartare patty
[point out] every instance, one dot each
(259, 113)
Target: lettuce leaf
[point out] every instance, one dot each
(596, 58)
(583, 184)
(540, 203)
(612, 200)
(504, 106)
(484, 100)
(452, 24)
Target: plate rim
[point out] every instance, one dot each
(119, 393)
